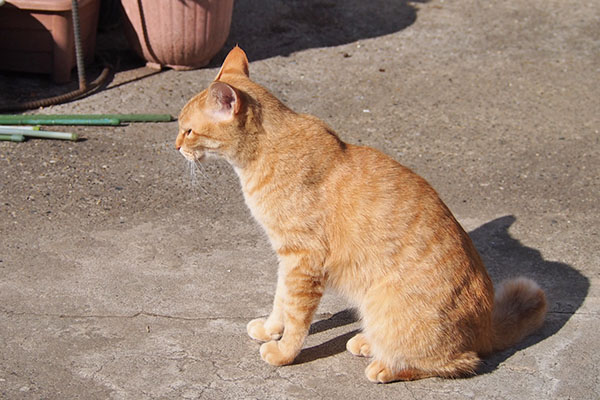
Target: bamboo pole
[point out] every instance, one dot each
(53, 120)
(31, 128)
(12, 138)
(39, 134)
(44, 119)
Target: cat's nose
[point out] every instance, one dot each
(177, 147)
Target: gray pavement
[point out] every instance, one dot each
(126, 274)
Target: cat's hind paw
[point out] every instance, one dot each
(259, 329)
(378, 372)
(359, 346)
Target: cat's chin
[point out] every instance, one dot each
(197, 156)
(207, 155)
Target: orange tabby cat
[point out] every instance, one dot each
(350, 218)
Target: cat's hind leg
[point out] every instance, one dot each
(359, 346)
(378, 372)
(408, 343)
(461, 365)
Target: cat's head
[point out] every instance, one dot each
(213, 122)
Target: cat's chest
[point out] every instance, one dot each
(263, 194)
(280, 205)
(278, 213)
(266, 209)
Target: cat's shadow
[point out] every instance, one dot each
(279, 28)
(504, 257)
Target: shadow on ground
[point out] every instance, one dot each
(504, 257)
(263, 29)
(333, 346)
(279, 28)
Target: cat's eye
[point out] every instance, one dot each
(187, 132)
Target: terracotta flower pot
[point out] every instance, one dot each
(37, 36)
(181, 34)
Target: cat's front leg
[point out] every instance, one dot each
(271, 328)
(301, 292)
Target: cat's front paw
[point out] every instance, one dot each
(271, 353)
(260, 329)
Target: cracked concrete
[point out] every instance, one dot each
(124, 274)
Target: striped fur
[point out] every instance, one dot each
(350, 218)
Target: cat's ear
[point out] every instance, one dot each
(236, 62)
(223, 101)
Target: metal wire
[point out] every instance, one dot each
(78, 45)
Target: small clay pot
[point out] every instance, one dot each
(37, 36)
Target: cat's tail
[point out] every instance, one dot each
(519, 309)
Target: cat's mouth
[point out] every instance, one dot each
(195, 155)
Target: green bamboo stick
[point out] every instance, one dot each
(139, 117)
(16, 130)
(18, 118)
(39, 134)
(54, 135)
(53, 120)
(31, 128)
(12, 138)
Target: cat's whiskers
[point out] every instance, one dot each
(196, 166)
(190, 169)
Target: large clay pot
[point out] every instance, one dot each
(181, 34)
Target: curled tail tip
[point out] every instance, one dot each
(519, 309)
(520, 287)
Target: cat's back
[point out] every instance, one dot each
(368, 175)
(380, 202)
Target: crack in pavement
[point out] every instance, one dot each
(318, 317)
(123, 316)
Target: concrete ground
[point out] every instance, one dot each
(126, 274)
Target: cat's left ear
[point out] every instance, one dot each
(223, 101)
(236, 62)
